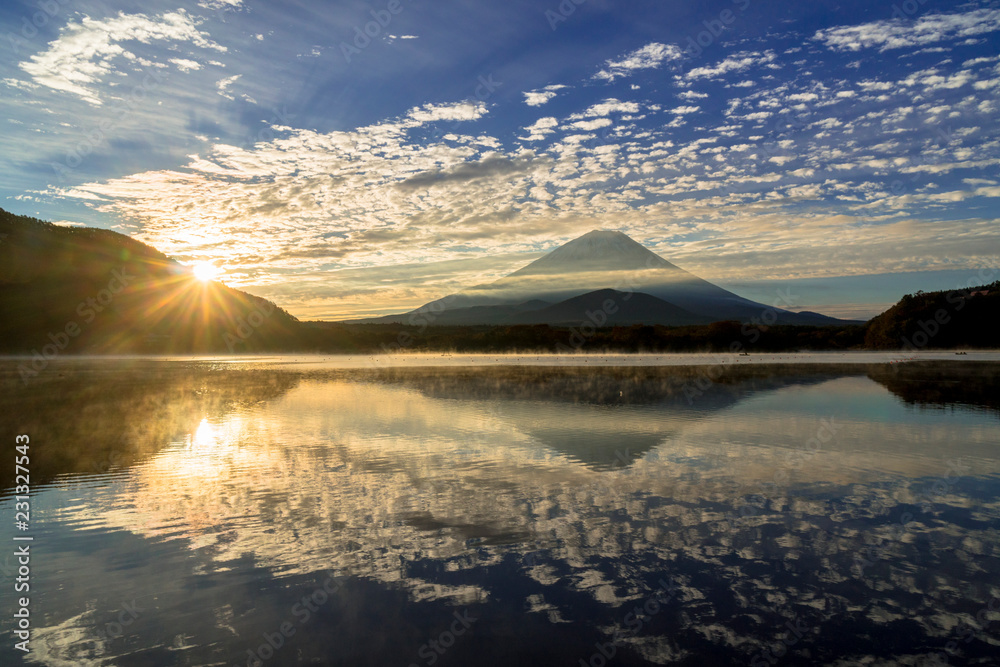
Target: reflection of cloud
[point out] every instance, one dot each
(425, 481)
(454, 464)
(70, 643)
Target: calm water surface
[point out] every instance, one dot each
(198, 513)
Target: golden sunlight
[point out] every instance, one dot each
(205, 271)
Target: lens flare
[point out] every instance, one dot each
(205, 271)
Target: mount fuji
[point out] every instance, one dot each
(602, 271)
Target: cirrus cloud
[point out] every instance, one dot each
(648, 57)
(83, 53)
(898, 33)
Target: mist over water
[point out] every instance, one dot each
(195, 512)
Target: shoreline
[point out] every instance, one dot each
(590, 359)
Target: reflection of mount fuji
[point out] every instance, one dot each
(627, 412)
(601, 417)
(602, 277)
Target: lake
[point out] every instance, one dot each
(496, 511)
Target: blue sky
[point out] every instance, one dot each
(848, 150)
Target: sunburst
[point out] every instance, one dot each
(205, 271)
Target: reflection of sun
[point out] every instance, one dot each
(205, 436)
(205, 271)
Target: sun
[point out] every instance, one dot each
(205, 271)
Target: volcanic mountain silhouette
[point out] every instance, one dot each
(604, 277)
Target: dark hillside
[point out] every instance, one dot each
(939, 320)
(83, 290)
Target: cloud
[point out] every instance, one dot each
(727, 198)
(185, 65)
(429, 113)
(20, 84)
(540, 128)
(390, 197)
(736, 63)
(589, 125)
(536, 98)
(220, 4)
(692, 95)
(223, 85)
(899, 33)
(83, 53)
(648, 57)
(980, 61)
(607, 107)
(464, 172)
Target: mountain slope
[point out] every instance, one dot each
(939, 320)
(65, 289)
(611, 308)
(602, 260)
(597, 250)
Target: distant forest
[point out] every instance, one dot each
(94, 291)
